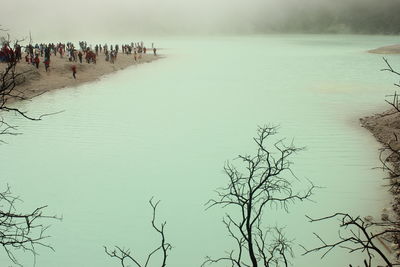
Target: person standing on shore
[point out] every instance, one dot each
(75, 55)
(37, 60)
(18, 52)
(69, 54)
(47, 63)
(80, 56)
(37, 51)
(73, 68)
(155, 51)
(112, 56)
(47, 53)
(107, 55)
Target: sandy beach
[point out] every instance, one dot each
(391, 49)
(59, 75)
(385, 127)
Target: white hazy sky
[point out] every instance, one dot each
(64, 19)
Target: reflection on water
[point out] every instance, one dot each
(165, 129)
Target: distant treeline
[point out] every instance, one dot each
(369, 17)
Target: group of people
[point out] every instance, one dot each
(137, 48)
(8, 54)
(34, 53)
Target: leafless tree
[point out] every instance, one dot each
(364, 235)
(21, 230)
(390, 152)
(360, 236)
(10, 78)
(125, 255)
(393, 100)
(389, 156)
(265, 180)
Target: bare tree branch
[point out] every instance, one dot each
(10, 78)
(364, 235)
(21, 231)
(359, 235)
(265, 180)
(394, 99)
(124, 255)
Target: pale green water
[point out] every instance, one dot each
(165, 129)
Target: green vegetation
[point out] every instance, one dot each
(361, 17)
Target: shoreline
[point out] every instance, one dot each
(385, 127)
(390, 49)
(38, 81)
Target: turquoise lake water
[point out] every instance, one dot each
(165, 129)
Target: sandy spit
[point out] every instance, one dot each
(59, 75)
(391, 49)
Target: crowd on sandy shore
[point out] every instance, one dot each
(34, 54)
(48, 66)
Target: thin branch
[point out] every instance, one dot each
(264, 180)
(21, 230)
(357, 237)
(124, 255)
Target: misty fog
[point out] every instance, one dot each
(65, 19)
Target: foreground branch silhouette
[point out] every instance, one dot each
(125, 255)
(390, 152)
(21, 230)
(393, 99)
(10, 78)
(389, 156)
(264, 181)
(375, 240)
(359, 235)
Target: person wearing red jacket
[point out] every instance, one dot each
(47, 63)
(37, 60)
(73, 68)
